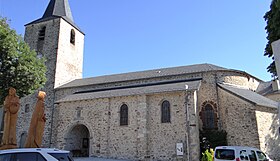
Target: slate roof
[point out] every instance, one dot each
(265, 88)
(143, 74)
(57, 9)
(250, 96)
(183, 86)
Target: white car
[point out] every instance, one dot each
(35, 154)
(239, 153)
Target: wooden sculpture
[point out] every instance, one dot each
(37, 124)
(11, 107)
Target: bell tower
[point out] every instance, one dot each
(56, 37)
(60, 41)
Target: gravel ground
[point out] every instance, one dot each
(95, 159)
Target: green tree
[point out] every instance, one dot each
(19, 66)
(272, 18)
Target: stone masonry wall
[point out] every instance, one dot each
(274, 96)
(239, 120)
(69, 63)
(268, 129)
(145, 137)
(164, 136)
(239, 79)
(207, 92)
(208, 89)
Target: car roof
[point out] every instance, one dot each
(236, 147)
(46, 150)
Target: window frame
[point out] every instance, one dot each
(165, 112)
(124, 115)
(209, 116)
(72, 37)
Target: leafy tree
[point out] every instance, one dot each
(19, 66)
(272, 17)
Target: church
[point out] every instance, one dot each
(156, 114)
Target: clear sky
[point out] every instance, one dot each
(135, 35)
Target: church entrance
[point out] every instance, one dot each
(77, 141)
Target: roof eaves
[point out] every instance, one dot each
(244, 98)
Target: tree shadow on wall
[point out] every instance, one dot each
(272, 139)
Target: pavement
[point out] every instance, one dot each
(95, 159)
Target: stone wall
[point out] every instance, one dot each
(274, 96)
(239, 79)
(268, 130)
(145, 137)
(69, 63)
(239, 120)
(164, 136)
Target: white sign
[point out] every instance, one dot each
(179, 149)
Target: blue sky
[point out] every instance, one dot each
(135, 35)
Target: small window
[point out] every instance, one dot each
(42, 33)
(165, 112)
(124, 115)
(72, 37)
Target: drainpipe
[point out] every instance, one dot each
(187, 97)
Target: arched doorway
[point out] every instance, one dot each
(77, 141)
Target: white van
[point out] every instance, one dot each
(239, 153)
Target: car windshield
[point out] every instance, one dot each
(225, 154)
(62, 156)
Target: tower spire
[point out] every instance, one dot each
(58, 8)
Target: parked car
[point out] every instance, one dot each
(239, 153)
(35, 154)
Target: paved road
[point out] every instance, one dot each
(95, 159)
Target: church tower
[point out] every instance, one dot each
(56, 37)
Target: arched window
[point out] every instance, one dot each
(165, 112)
(72, 37)
(208, 116)
(124, 115)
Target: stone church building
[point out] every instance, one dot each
(147, 115)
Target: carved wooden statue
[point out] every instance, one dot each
(11, 107)
(37, 124)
